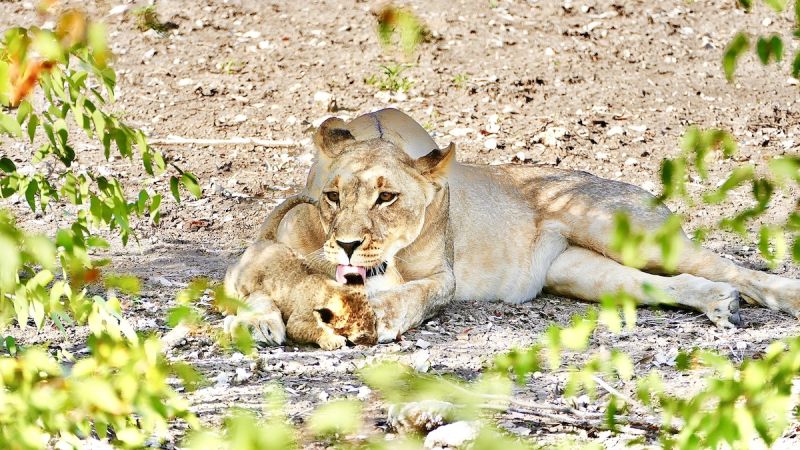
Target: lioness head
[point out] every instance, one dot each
(349, 315)
(374, 198)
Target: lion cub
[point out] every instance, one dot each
(330, 313)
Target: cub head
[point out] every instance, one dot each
(349, 315)
(374, 198)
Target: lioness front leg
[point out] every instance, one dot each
(586, 275)
(408, 305)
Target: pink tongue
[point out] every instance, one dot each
(343, 270)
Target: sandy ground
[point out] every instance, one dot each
(616, 84)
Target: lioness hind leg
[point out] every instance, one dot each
(586, 275)
(772, 291)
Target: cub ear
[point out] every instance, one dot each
(323, 315)
(331, 135)
(436, 164)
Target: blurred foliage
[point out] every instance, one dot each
(399, 26)
(122, 390)
(768, 49)
(119, 391)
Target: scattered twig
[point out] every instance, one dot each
(178, 140)
(613, 391)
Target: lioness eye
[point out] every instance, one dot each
(333, 197)
(386, 197)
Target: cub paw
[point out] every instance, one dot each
(330, 341)
(388, 332)
(265, 328)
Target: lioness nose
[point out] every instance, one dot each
(349, 247)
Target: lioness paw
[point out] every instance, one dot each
(330, 341)
(724, 311)
(265, 328)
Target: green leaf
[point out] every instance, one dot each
(46, 43)
(9, 125)
(796, 64)
(33, 123)
(174, 188)
(30, 194)
(746, 4)
(337, 417)
(7, 165)
(769, 49)
(191, 183)
(128, 284)
(734, 180)
(23, 110)
(735, 48)
(777, 5)
(5, 84)
(775, 236)
(41, 250)
(11, 345)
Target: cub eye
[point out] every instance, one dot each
(386, 197)
(333, 197)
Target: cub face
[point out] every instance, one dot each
(374, 198)
(349, 315)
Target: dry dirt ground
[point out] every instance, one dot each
(606, 87)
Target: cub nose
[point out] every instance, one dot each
(349, 247)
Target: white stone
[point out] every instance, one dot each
(322, 97)
(638, 128)
(423, 344)
(453, 435)
(461, 132)
(239, 118)
(613, 131)
(252, 34)
(601, 156)
(185, 82)
(550, 137)
(119, 9)
(363, 393)
(490, 144)
(242, 375)
(631, 162)
(421, 361)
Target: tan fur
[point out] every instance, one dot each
(280, 288)
(459, 231)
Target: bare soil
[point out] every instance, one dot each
(616, 84)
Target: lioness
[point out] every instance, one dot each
(422, 230)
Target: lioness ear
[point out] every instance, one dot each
(330, 136)
(436, 164)
(323, 315)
